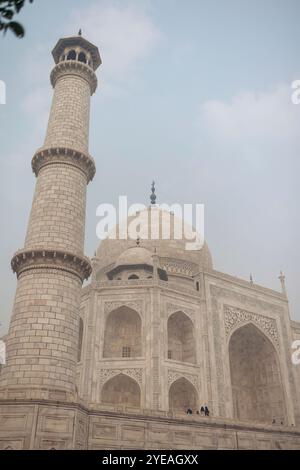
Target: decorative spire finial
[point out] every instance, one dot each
(153, 195)
(79, 32)
(282, 280)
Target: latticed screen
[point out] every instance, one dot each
(126, 351)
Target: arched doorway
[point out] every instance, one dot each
(121, 390)
(181, 338)
(183, 395)
(123, 334)
(255, 377)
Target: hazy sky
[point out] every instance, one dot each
(195, 94)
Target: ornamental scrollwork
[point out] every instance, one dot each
(174, 375)
(179, 267)
(234, 316)
(134, 373)
(173, 308)
(113, 305)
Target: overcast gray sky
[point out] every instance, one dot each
(195, 94)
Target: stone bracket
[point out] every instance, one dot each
(65, 156)
(25, 260)
(73, 67)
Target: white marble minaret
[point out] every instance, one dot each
(43, 336)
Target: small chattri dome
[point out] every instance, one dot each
(135, 255)
(138, 258)
(77, 41)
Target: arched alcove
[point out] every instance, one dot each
(71, 55)
(82, 57)
(183, 395)
(256, 382)
(123, 333)
(121, 390)
(181, 338)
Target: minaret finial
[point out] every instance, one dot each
(80, 32)
(282, 281)
(153, 195)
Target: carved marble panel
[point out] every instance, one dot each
(134, 373)
(113, 305)
(174, 375)
(234, 316)
(172, 308)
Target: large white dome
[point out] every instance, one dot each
(151, 222)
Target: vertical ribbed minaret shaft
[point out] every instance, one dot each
(43, 336)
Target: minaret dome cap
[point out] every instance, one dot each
(77, 41)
